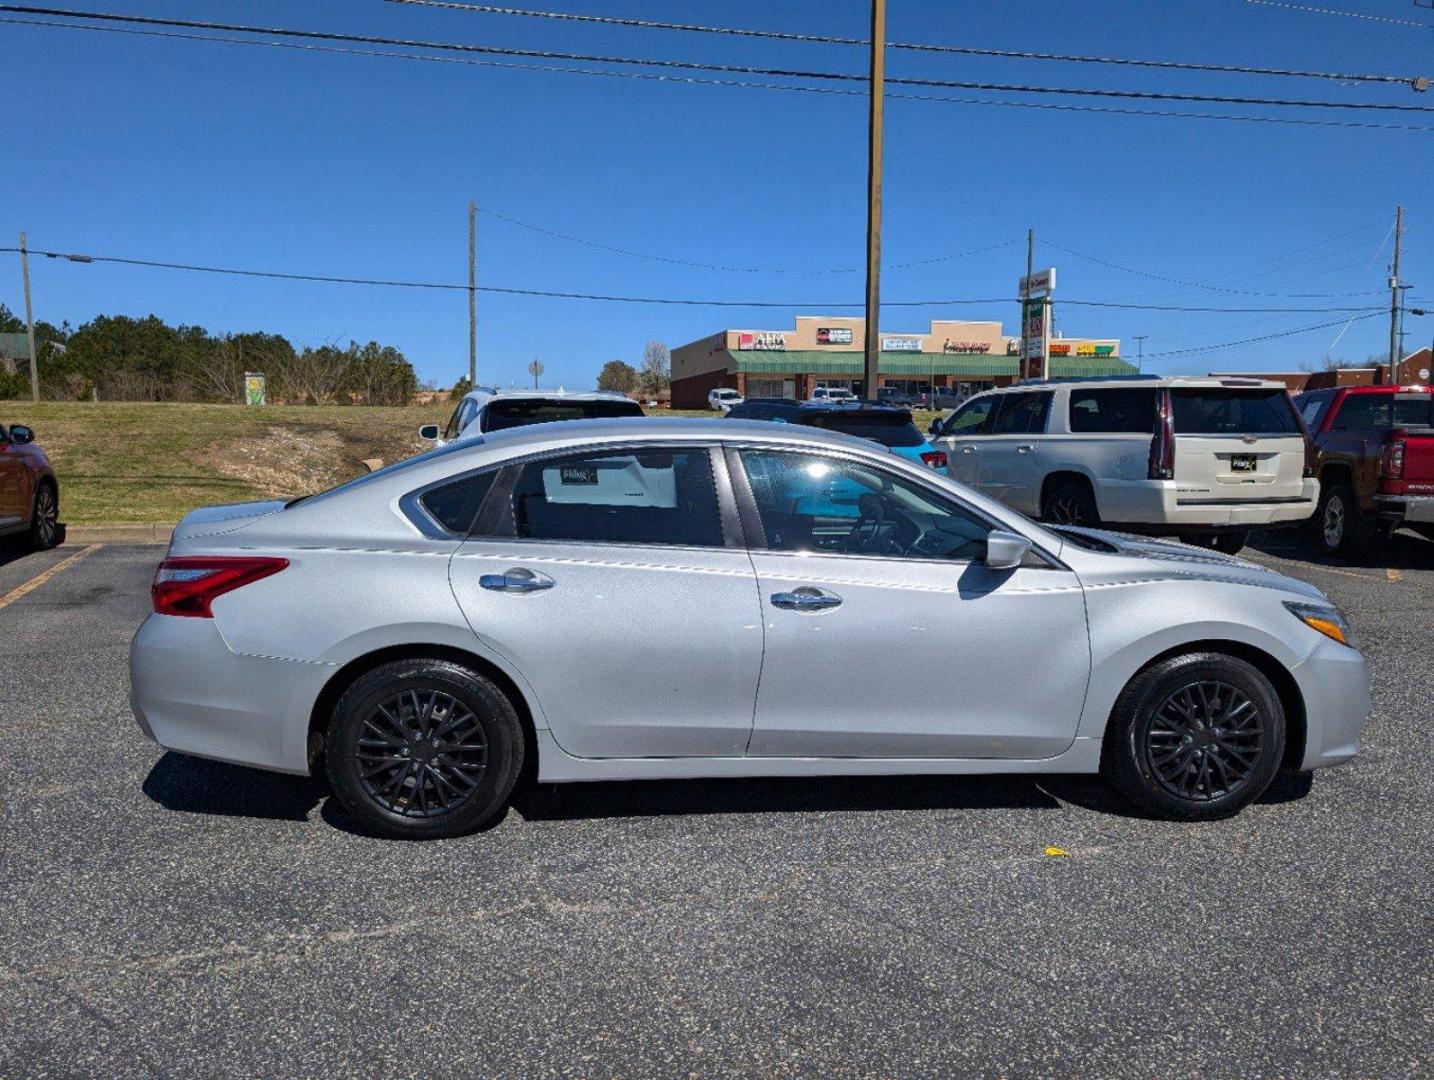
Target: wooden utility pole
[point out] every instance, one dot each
(472, 295)
(871, 373)
(1394, 297)
(29, 319)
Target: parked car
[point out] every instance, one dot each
(722, 398)
(29, 491)
(1202, 459)
(943, 398)
(485, 409)
(891, 395)
(833, 395)
(1375, 459)
(888, 425)
(675, 598)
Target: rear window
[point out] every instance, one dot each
(888, 429)
(1414, 411)
(1123, 410)
(520, 412)
(1223, 411)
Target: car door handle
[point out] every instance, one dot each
(968, 449)
(1025, 448)
(805, 599)
(517, 580)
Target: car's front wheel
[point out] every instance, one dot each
(1195, 737)
(45, 518)
(1336, 526)
(423, 749)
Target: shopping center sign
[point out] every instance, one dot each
(1035, 290)
(901, 344)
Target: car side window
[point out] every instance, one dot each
(971, 418)
(1125, 410)
(1022, 414)
(812, 503)
(1312, 408)
(454, 505)
(649, 496)
(455, 422)
(1361, 412)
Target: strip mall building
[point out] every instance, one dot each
(829, 351)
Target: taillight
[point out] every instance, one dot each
(1311, 457)
(188, 584)
(1162, 443)
(1391, 464)
(935, 458)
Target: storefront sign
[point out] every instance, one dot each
(833, 335)
(901, 344)
(1039, 283)
(966, 346)
(1036, 333)
(765, 339)
(1059, 349)
(1085, 350)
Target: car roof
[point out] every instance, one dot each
(483, 394)
(1154, 382)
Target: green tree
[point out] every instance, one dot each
(10, 323)
(618, 375)
(460, 388)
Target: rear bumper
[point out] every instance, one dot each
(1415, 509)
(191, 693)
(1334, 682)
(1159, 503)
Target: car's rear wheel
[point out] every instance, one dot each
(422, 749)
(45, 518)
(1195, 737)
(1071, 503)
(1336, 525)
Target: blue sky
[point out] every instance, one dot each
(280, 159)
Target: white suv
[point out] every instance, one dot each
(834, 394)
(1199, 458)
(485, 408)
(723, 398)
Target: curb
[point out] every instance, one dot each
(154, 533)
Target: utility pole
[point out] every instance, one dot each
(1025, 299)
(1394, 295)
(1140, 351)
(472, 296)
(873, 198)
(29, 319)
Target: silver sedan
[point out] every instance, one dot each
(630, 599)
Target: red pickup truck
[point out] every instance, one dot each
(1375, 461)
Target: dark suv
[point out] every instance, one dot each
(888, 425)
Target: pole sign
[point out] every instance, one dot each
(254, 383)
(1035, 294)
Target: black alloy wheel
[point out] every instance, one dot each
(1203, 741)
(1195, 737)
(1071, 504)
(423, 748)
(45, 519)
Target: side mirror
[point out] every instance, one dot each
(429, 432)
(935, 428)
(20, 434)
(1006, 550)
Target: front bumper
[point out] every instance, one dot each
(1334, 682)
(190, 692)
(1159, 503)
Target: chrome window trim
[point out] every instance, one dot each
(418, 515)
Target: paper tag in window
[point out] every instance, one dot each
(577, 475)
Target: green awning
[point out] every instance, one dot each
(963, 365)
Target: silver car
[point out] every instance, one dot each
(630, 599)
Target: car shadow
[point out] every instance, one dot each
(194, 785)
(1404, 550)
(1091, 793)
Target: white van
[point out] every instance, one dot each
(1203, 459)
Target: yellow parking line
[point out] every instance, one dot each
(1393, 575)
(40, 579)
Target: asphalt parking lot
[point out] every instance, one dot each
(165, 916)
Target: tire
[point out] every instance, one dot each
(389, 708)
(1213, 773)
(1071, 503)
(1336, 527)
(45, 529)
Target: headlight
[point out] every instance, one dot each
(1326, 620)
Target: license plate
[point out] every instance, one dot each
(1242, 462)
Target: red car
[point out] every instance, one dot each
(1375, 450)
(29, 492)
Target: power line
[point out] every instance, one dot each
(691, 65)
(960, 50)
(734, 269)
(682, 301)
(692, 80)
(1256, 340)
(1203, 285)
(1307, 9)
